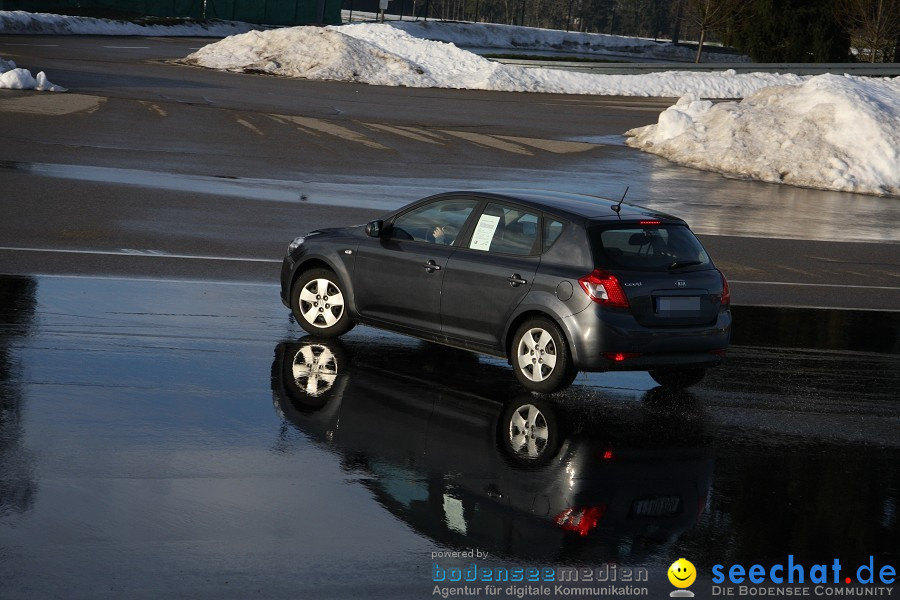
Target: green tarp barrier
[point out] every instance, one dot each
(267, 12)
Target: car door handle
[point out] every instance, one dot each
(432, 266)
(516, 280)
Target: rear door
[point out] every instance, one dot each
(665, 272)
(488, 276)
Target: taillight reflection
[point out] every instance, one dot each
(619, 356)
(581, 520)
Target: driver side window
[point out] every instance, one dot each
(439, 222)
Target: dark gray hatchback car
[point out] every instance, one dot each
(556, 283)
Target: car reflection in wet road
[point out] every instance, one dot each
(140, 455)
(469, 466)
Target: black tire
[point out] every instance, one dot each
(528, 432)
(678, 378)
(534, 341)
(313, 303)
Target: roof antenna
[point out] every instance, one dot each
(618, 206)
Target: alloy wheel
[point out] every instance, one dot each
(315, 369)
(529, 432)
(537, 354)
(321, 303)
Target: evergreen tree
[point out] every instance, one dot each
(791, 31)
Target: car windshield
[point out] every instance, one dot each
(647, 248)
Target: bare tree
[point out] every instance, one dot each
(711, 15)
(873, 25)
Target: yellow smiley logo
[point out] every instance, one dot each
(682, 573)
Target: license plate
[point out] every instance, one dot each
(678, 304)
(657, 507)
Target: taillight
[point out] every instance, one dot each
(580, 520)
(726, 293)
(604, 288)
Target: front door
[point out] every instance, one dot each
(398, 277)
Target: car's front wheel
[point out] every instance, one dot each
(541, 357)
(319, 304)
(678, 378)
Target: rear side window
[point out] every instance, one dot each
(650, 248)
(552, 231)
(506, 230)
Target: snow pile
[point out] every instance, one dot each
(327, 54)
(21, 22)
(492, 35)
(12, 78)
(381, 54)
(830, 132)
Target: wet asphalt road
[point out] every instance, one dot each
(184, 440)
(166, 430)
(216, 171)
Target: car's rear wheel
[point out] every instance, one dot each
(319, 305)
(541, 357)
(678, 378)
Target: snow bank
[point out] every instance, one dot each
(492, 35)
(21, 22)
(382, 54)
(830, 132)
(12, 78)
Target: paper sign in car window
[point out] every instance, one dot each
(484, 232)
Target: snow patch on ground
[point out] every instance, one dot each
(12, 78)
(829, 132)
(21, 22)
(505, 37)
(382, 54)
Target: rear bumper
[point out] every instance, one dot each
(598, 333)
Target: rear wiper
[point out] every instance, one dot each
(684, 263)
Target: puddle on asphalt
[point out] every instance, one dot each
(710, 203)
(159, 437)
(600, 140)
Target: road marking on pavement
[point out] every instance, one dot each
(33, 45)
(404, 132)
(329, 128)
(422, 131)
(554, 146)
(52, 104)
(142, 253)
(250, 126)
(127, 47)
(480, 139)
(160, 280)
(154, 107)
(828, 285)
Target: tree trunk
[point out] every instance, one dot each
(676, 26)
(700, 45)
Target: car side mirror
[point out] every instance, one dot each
(375, 228)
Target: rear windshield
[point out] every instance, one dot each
(648, 248)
